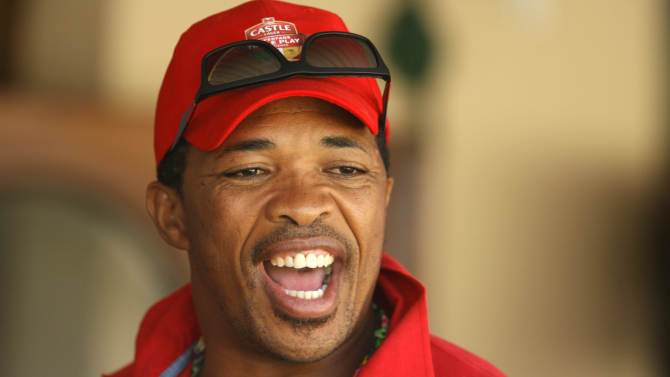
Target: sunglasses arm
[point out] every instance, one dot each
(185, 119)
(381, 129)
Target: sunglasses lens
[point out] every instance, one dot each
(239, 63)
(340, 52)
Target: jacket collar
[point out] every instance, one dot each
(406, 351)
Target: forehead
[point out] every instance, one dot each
(292, 127)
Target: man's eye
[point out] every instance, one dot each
(245, 173)
(347, 171)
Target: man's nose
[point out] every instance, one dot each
(300, 201)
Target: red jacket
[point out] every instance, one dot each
(170, 329)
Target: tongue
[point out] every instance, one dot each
(304, 279)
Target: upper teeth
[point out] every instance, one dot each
(301, 261)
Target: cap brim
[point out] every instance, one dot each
(217, 117)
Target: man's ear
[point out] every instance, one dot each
(166, 209)
(389, 188)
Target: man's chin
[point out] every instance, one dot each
(307, 354)
(308, 340)
(304, 324)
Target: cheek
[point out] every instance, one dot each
(365, 212)
(217, 228)
(367, 219)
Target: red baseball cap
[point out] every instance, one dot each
(216, 117)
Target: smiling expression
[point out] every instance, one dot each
(285, 226)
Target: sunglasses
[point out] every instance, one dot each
(254, 62)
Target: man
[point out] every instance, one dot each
(271, 140)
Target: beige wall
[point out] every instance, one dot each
(538, 166)
(541, 140)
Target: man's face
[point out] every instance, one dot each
(298, 179)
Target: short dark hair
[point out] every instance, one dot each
(170, 171)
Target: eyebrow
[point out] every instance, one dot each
(248, 145)
(341, 142)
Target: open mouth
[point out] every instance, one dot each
(305, 276)
(302, 277)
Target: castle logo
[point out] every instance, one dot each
(281, 34)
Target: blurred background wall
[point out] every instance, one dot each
(529, 150)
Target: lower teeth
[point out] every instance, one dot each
(311, 295)
(307, 295)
